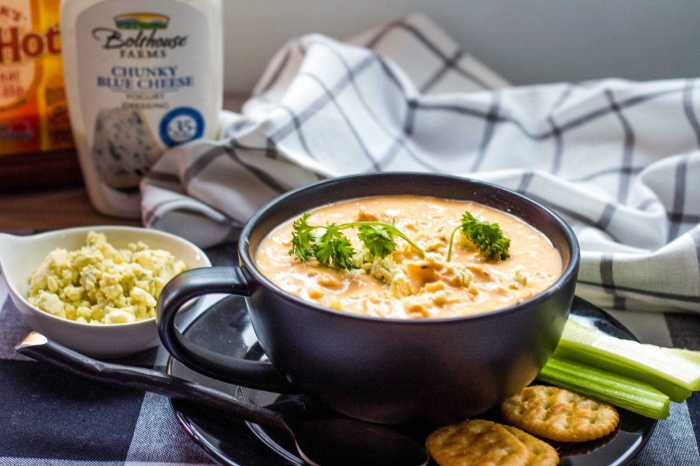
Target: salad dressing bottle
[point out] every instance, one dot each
(141, 76)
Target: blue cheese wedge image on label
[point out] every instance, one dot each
(124, 148)
(142, 76)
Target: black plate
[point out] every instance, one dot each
(226, 328)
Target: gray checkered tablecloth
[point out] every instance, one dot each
(49, 417)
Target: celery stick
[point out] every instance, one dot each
(627, 393)
(690, 355)
(671, 373)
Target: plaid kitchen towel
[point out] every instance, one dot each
(618, 159)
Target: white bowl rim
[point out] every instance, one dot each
(100, 228)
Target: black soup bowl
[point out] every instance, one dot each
(381, 370)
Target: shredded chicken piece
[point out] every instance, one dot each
(440, 298)
(479, 271)
(417, 310)
(329, 281)
(435, 245)
(421, 272)
(365, 216)
(434, 286)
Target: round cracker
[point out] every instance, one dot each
(541, 453)
(558, 414)
(476, 442)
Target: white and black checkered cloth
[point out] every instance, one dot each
(618, 159)
(50, 417)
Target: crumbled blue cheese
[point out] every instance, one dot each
(100, 284)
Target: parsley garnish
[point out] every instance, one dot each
(333, 249)
(378, 239)
(487, 237)
(303, 246)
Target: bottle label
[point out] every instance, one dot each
(141, 66)
(33, 112)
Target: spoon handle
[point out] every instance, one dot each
(38, 347)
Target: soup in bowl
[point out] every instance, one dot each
(392, 297)
(412, 281)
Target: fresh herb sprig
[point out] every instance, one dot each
(333, 249)
(487, 237)
(377, 238)
(303, 241)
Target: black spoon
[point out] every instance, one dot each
(336, 441)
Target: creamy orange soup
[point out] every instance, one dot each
(404, 285)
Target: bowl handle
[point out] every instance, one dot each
(210, 280)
